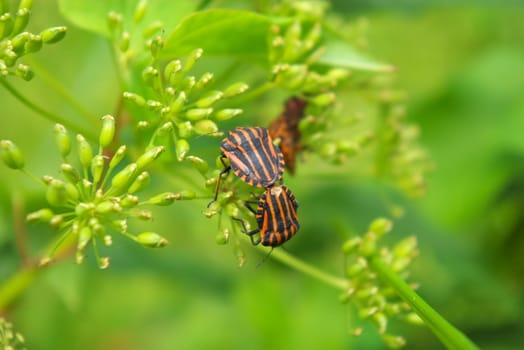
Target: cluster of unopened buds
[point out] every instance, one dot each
(15, 42)
(375, 301)
(9, 338)
(95, 198)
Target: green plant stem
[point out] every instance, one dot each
(46, 114)
(61, 91)
(305, 268)
(14, 286)
(450, 336)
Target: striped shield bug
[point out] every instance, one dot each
(252, 156)
(285, 128)
(276, 216)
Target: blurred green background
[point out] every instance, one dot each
(462, 66)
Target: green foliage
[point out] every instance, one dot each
(187, 72)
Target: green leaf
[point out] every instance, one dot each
(222, 32)
(92, 15)
(338, 53)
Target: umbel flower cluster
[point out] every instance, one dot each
(373, 299)
(15, 42)
(96, 198)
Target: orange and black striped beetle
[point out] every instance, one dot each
(285, 128)
(252, 156)
(276, 217)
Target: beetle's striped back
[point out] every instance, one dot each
(253, 156)
(277, 216)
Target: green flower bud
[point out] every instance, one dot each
(72, 192)
(228, 113)
(84, 237)
(192, 58)
(154, 105)
(381, 322)
(338, 74)
(323, 100)
(165, 198)
(356, 268)
(185, 129)
(84, 209)
(293, 77)
(114, 21)
(235, 89)
(181, 147)
(103, 263)
(151, 240)
(313, 36)
(381, 226)
(18, 42)
(108, 206)
(171, 72)
(328, 149)
(414, 319)
(6, 24)
(178, 103)
(25, 4)
(145, 215)
(366, 292)
(400, 264)
(347, 147)
(200, 165)
(153, 28)
(129, 201)
(63, 140)
(10, 58)
(293, 33)
(42, 215)
(209, 99)
(120, 225)
(368, 246)
(97, 168)
(394, 341)
(137, 99)
(56, 221)
(406, 248)
(108, 240)
(156, 46)
(165, 129)
(149, 74)
(85, 152)
(222, 237)
(232, 210)
(108, 131)
(70, 173)
(21, 20)
(125, 39)
(149, 156)
(367, 312)
(141, 182)
(185, 195)
(33, 44)
(56, 194)
(204, 127)
(188, 84)
(117, 157)
(140, 11)
(351, 245)
(122, 180)
(25, 72)
(11, 155)
(204, 80)
(53, 35)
